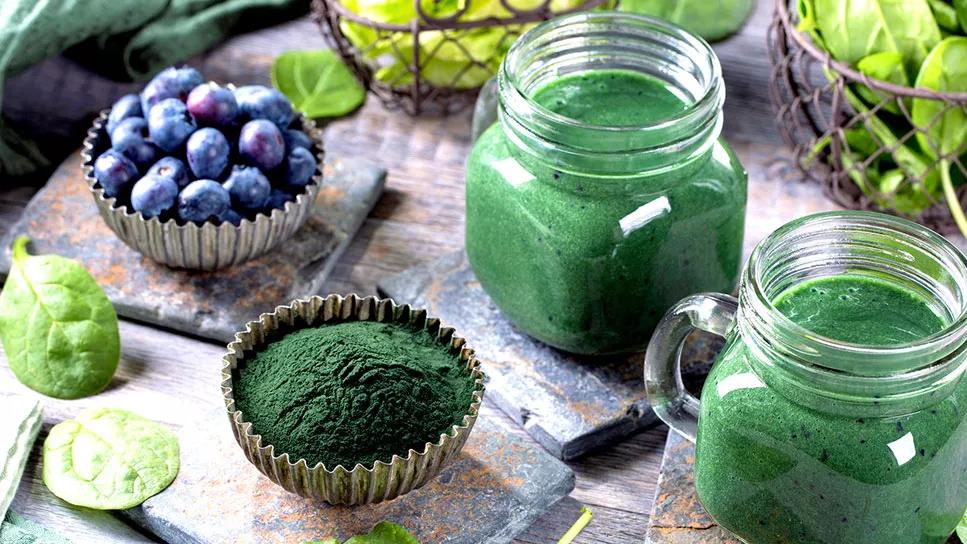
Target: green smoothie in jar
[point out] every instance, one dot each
(836, 411)
(603, 194)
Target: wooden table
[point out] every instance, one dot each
(172, 378)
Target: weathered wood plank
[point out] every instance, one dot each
(495, 488)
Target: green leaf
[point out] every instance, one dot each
(960, 6)
(884, 66)
(317, 83)
(962, 528)
(945, 70)
(384, 532)
(710, 20)
(858, 28)
(58, 328)
(945, 14)
(944, 126)
(462, 59)
(109, 459)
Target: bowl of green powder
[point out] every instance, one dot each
(350, 400)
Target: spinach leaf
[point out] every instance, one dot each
(317, 83)
(58, 328)
(960, 6)
(712, 20)
(109, 459)
(945, 14)
(885, 66)
(384, 533)
(944, 126)
(962, 528)
(858, 28)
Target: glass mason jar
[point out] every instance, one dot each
(803, 438)
(583, 234)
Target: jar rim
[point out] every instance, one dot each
(874, 359)
(592, 41)
(619, 18)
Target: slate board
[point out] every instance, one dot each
(568, 403)
(678, 517)
(498, 485)
(63, 219)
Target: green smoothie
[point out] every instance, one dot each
(589, 262)
(772, 470)
(613, 98)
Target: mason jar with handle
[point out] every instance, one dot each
(835, 411)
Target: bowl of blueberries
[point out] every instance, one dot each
(197, 175)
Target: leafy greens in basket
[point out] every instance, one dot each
(906, 43)
(460, 59)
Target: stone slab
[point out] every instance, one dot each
(678, 517)
(63, 219)
(568, 403)
(497, 486)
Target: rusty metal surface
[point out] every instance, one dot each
(494, 489)
(678, 517)
(569, 404)
(62, 219)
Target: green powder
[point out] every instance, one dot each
(353, 392)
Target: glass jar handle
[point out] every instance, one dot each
(712, 312)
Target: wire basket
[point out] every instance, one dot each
(857, 135)
(435, 62)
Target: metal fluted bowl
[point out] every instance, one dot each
(380, 481)
(207, 246)
(813, 111)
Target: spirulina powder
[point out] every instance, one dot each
(353, 392)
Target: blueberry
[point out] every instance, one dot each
(260, 144)
(299, 167)
(169, 83)
(296, 138)
(129, 139)
(126, 128)
(248, 187)
(231, 216)
(127, 106)
(212, 105)
(173, 168)
(258, 102)
(277, 199)
(170, 124)
(114, 172)
(207, 153)
(202, 200)
(154, 195)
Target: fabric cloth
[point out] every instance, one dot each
(19, 426)
(17, 529)
(122, 38)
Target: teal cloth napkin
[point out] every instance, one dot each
(123, 38)
(17, 529)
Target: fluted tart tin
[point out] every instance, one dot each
(207, 246)
(360, 484)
